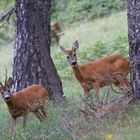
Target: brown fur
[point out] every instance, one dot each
(21, 102)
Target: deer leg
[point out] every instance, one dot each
(24, 121)
(44, 112)
(41, 113)
(43, 108)
(122, 83)
(96, 86)
(38, 115)
(86, 92)
(13, 125)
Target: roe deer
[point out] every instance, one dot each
(30, 99)
(56, 32)
(99, 73)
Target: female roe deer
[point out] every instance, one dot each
(30, 99)
(99, 73)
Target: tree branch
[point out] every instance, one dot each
(6, 16)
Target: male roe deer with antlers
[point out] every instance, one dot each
(99, 73)
(30, 99)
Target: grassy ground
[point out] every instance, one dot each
(65, 121)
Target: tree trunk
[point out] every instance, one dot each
(134, 45)
(32, 61)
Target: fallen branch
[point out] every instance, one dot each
(107, 106)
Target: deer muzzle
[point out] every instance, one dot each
(73, 63)
(7, 98)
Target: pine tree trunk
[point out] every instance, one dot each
(32, 61)
(134, 45)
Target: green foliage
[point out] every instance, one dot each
(6, 60)
(7, 30)
(77, 10)
(7, 33)
(6, 4)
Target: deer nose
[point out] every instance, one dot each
(73, 63)
(7, 98)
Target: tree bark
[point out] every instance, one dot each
(32, 61)
(134, 45)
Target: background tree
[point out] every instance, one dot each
(32, 60)
(134, 45)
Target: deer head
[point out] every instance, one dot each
(71, 54)
(5, 90)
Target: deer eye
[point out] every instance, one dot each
(68, 57)
(74, 54)
(9, 90)
(1, 92)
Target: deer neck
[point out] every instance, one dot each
(77, 72)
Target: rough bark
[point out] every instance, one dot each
(134, 44)
(32, 60)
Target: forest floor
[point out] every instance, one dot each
(65, 121)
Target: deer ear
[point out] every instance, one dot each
(75, 45)
(63, 50)
(9, 82)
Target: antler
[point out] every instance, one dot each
(1, 84)
(5, 75)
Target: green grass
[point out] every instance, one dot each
(65, 121)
